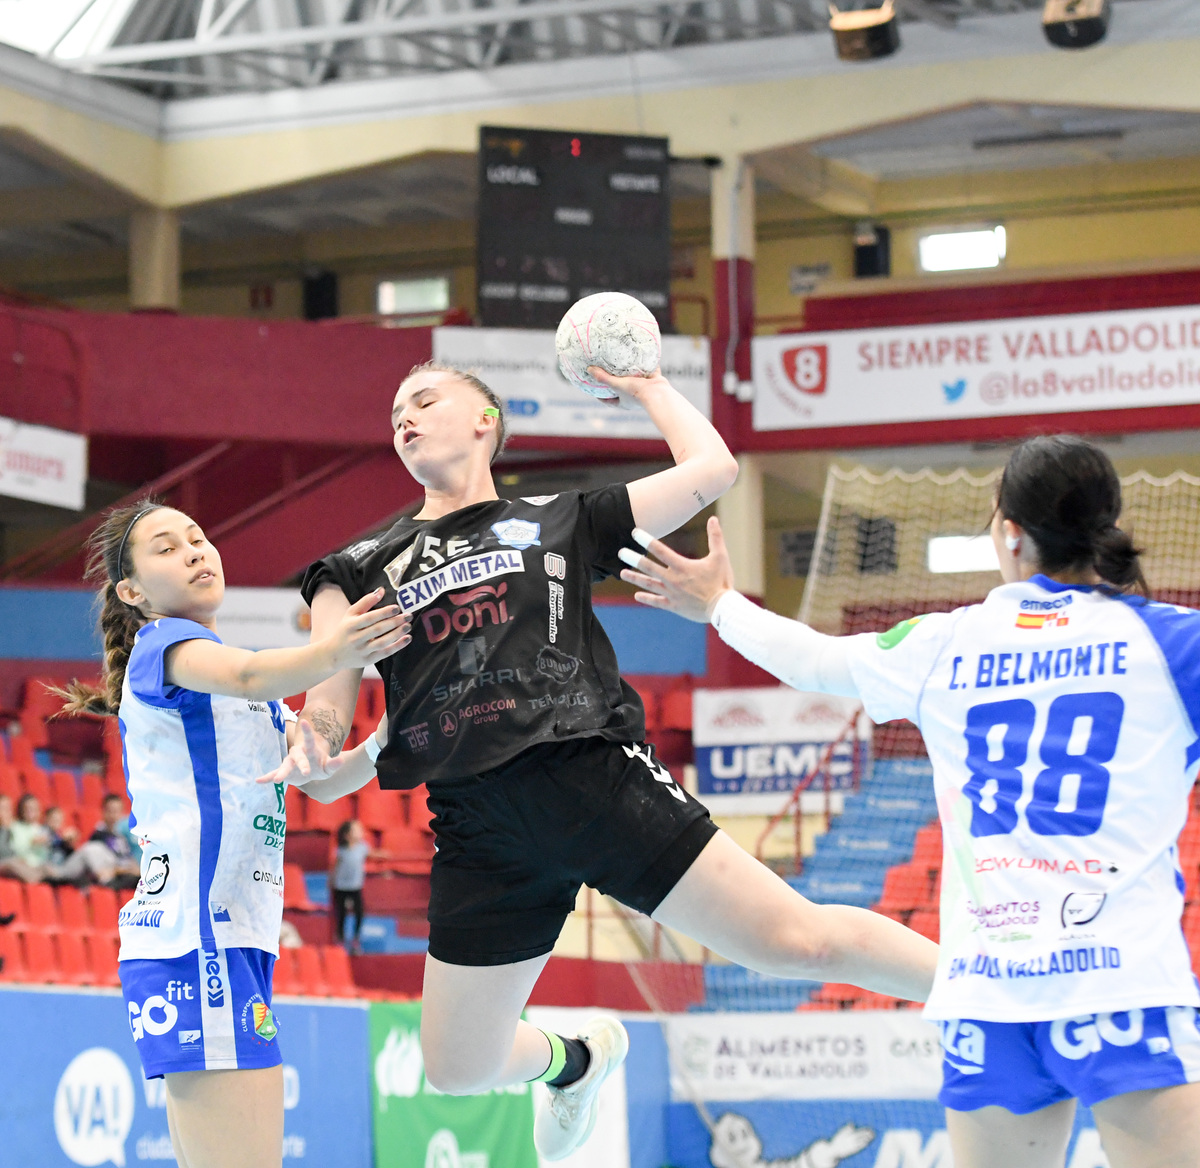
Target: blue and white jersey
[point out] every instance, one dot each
(212, 837)
(1063, 724)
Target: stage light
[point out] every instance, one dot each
(960, 251)
(1075, 24)
(865, 34)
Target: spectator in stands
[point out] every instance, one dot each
(348, 877)
(289, 936)
(31, 837)
(12, 864)
(113, 833)
(63, 837)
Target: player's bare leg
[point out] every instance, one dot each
(1151, 1129)
(472, 1035)
(227, 1119)
(994, 1137)
(740, 909)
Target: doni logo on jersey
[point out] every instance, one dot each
(424, 590)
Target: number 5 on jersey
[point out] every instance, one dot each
(1070, 792)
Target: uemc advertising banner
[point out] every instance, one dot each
(522, 367)
(753, 746)
(978, 369)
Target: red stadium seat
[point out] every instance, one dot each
(41, 961)
(283, 980)
(379, 810)
(338, 975)
(20, 752)
(13, 965)
(295, 804)
(33, 730)
(326, 816)
(650, 704)
(103, 948)
(407, 845)
(37, 782)
(103, 903)
(926, 922)
(904, 887)
(927, 849)
(91, 791)
(309, 974)
(73, 909)
(74, 962)
(12, 901)
(65, 790)
(41, 909)
(10, 780)
(419, 814)
(295, 891)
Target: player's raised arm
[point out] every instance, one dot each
(359, 635)
(703, 590)
(704, 468)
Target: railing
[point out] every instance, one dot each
(821, 768)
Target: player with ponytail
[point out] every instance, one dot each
(509, 705)
(1062, 718)
(200, 722)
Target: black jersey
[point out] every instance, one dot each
(506, 651)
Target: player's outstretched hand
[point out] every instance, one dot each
(629, 387)
(690, 588)
(367, 634)
(307, 759)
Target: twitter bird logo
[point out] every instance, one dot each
(955, 389)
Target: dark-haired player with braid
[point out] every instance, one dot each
(200, 722)
(508, 703)
(1062, 717)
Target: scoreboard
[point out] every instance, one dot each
(564, 215)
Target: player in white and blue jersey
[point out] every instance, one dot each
(200, 723)
(1062, 718)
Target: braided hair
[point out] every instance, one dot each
(110, 559)
(480, 386)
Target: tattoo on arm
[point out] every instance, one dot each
(325, 723)
(699, 498)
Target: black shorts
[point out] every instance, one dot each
(516, 843)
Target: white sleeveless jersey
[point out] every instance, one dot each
(212, 837)
(1063, 724)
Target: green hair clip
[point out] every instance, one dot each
(490, 412)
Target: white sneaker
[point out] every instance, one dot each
(566, 1115)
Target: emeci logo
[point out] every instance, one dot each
(807, 367)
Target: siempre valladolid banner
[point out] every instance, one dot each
(978, 369)
(522, 367)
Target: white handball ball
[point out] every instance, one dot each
(614, 331)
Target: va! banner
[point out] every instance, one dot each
(416, 1126)
(978, 369)
(522, 367)
(753, 746)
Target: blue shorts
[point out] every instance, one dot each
(1025, 1066)
(209, 1010)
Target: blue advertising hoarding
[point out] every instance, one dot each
(72, 1091)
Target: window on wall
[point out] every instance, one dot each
(960, 251)
(422, 294)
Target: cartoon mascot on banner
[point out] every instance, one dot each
(735, 1144)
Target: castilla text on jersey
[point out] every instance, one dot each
(424, 590)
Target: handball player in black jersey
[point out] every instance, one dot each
(509, 705)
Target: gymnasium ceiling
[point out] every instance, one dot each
(189, 48)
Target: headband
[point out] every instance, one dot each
(125, 539)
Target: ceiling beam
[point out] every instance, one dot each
(267, 42)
